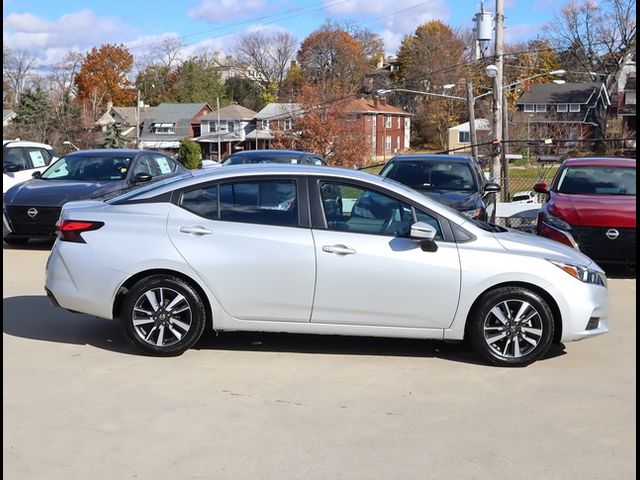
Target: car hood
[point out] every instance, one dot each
(528, 244)
(595, 211)
(455, 199)
(55, 193)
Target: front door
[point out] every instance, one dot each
(371, 273)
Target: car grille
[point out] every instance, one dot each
(593, 242)
(43, 223)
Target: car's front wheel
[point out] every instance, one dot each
(511, 327)
(163, 315)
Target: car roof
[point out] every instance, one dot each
(434, 156)
(600, 162)
(274, 152)
(25, 143)
(99, 152)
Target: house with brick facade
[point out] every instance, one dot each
(386, 128)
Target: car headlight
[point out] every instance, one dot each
(583, 274)
(473, 213)
(555, 221)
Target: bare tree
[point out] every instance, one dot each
(595, 37)
(168, 51)
(61, 80)
(269, 54)
(16, 69)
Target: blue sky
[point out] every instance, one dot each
(53, 27)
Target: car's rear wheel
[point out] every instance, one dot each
(163, 315)
(511, 327)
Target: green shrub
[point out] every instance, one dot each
(189, 154)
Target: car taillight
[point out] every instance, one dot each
(70, 230)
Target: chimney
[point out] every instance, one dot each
(527, 86)
(376, 101)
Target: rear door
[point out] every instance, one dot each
(250, 242)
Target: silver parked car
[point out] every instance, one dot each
(307, 249)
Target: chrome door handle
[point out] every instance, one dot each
(196, 230)
(338, 249)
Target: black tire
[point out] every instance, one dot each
(15, 240)
(173, 325)
(511, 327)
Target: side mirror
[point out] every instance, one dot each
(422, 231)
(491, 187)
(36, 174)
(142, 177)
(11, 168)
(541, 188)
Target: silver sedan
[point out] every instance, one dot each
(305, 249)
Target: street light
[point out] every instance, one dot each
(67, 142)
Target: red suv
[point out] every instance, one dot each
(592, 207)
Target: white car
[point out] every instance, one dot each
(525, 197)
(264, 248)
(21, 159)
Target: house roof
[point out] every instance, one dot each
(276, 111)
(175, 112)
(364, 105)
(481, 124)
(231, 112)
(553, 93)
(124, 115)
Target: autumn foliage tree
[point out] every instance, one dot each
(103, 78)
(322, 128)
(332, 60)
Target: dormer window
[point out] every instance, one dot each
(574, 107)
(562, 107)
(528, 107)
(163, 128)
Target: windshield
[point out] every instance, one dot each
(291, 158)
(597, 180)
(432, 175)
(89, 168)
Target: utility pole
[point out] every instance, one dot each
(505, 146)
(472, 120)
(497, 91)
(138, 120)
(218, 125)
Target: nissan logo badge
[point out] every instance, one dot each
(612, 234)
(32, 212)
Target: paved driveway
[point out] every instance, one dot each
(80, 403)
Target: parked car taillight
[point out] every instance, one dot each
(70, 230)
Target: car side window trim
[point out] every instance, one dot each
(302, 197)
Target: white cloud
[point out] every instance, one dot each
(224, 10)
(78, 30)
(390, 18)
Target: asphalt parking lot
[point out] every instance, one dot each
(79, 402)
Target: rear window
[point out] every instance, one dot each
(597, 180)
(289, 158)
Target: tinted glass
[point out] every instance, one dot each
(89, 168)
(269, 202)
(202, 201)
(290, 158)
(597, 181)
(432, 175)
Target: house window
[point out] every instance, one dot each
(163, 128)
(464, 137)
(398, 122)
(388, 123)
(541, 108)
(562, 107)
(574, 107)
(231, 126)
(288, 124)
(397, 143)
(387, 143)
(265, 124)
(529, 107)
(351, 117)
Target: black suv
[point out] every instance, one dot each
(455, 180)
